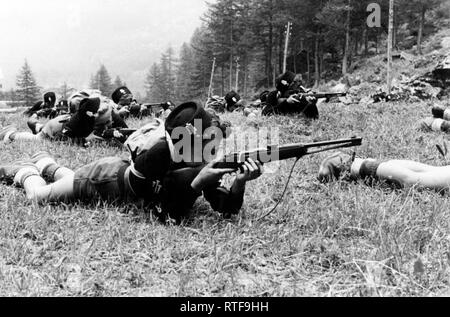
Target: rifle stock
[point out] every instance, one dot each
(280, 153)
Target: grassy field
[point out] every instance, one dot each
(342, 239)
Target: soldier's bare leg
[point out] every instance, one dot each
(37, 189)
(415, 174)
(403, 172)
(61, 178)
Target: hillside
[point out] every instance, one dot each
(368, 75)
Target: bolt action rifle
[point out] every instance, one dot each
(179, 181)
(280, 153)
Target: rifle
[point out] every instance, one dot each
(158, 104)
(280, 153)
(326, 95)
(127, 132)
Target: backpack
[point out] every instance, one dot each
(146, 137)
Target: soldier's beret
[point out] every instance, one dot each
(119, 93)
(232, 98)
(284, 81)
(263, 96)
(50, 98)
(186, 114)
(90, 104)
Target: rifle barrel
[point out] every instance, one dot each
(326, 95)
(158, 104)
(127, 132)
(275, 153)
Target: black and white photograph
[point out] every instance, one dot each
(225, 155)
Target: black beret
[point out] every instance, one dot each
(263, 96)
(232, 98)
(50, 97)
(119, 93)
(284, 81)
(90, 104)
(63, 103)
(186, 114)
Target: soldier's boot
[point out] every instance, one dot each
(434, 125)
(17, 172)
(46, 165)
(6, 133)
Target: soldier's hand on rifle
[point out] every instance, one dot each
(304, 98)
(210, 176)
(117, 134)
(310, 99)
(251, 171)
(293, 99)
(124, 112)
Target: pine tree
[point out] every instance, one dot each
(183, 84)
(118, 82)
(167, 74)
(28, 91)
(327, 36)
(153, 84)
(203, 55)
(102, 81)
(12, 95)
(66, 91)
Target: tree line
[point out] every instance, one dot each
(245, 41)
(28, 92)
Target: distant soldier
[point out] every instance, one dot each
(253, 109)
(108, 123)
(289, 98)
(233, 101)
(44, 107)
(109, 120)
(63, 106)
(440, 122)
(127, 105)
(230, 103)
(95, 120)
(77, 126)
(216, 103)
(76, 98)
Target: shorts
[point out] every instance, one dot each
(102, 179)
